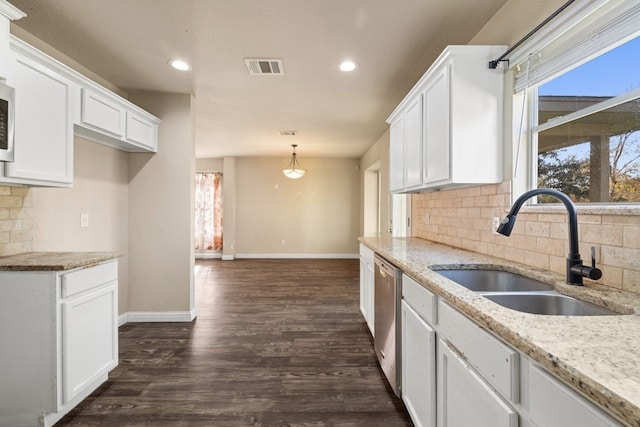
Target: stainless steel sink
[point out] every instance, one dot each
(494, 281)
(522, 293)
(549, 303)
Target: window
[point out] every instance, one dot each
(588, 136)
(580, 74)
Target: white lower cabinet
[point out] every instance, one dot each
(418, 367)
(457, 374)
(367, 275)
(464, 398)
(59, 331)
(552, 404)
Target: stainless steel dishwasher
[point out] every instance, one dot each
(387, 300)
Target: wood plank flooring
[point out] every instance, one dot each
(275, 343)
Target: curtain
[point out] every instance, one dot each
(208, 210)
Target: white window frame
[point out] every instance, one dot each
(558, 47)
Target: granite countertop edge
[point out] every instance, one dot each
(54, 261)
(607, 373)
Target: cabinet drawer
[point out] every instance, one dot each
(87, 278)
(420, 299)
(495, 361)
(554, 405)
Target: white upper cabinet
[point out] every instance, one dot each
(43, 120)
(456, 140)
(142, 131)
(52, 102)
(102, 113)
(8, 13)
(413, 145)
(437, 117)
(396, 155)
(106, 118)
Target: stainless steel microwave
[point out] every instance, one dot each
(7, 110)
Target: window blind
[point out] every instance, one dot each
(587, 29)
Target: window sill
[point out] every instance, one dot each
(552, 208)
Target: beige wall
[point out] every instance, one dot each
(378, 154)
(316, 215)
(100, 189)
(161, 208)
(209, 165)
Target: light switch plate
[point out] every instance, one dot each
(495, 223)
(84, 220)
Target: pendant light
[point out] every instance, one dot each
(293, 169)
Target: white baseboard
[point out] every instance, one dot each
(209, 256)
(156, 316)
(123, 319)
(227, 257)
(305, 256)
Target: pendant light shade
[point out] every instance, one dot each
(293, 169)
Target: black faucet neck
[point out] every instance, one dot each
(572, 212)
(575, 270)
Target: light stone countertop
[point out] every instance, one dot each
(598, 355)
(54, 261)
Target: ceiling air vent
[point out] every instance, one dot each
(288, 133)
(264, 66)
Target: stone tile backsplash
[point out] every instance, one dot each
(463, 218)
(16, 220)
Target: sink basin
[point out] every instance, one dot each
(494, 281)
(548, 303)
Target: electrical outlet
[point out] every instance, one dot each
(495, 223)
(283, 243)
(84, 220)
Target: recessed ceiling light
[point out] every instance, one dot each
(179, 64)
(348, 66)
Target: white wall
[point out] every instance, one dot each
(100, 189)
(161, 210)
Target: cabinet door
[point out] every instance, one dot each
(142, 132)
(89, 338)
(464, 399)
(366, 292)
(102, 113)
(437, 119)
(363, 288)
(418, 368)
(413, 145)
(396, 156)
(43, 124)
(370, 293)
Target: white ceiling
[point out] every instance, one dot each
(128, 42)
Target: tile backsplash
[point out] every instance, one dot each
(463, 218)
(16, 220)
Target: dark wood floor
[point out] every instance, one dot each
(275, 343)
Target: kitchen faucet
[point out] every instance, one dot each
(575, 269)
